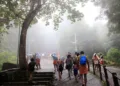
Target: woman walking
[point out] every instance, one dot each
(69, 65)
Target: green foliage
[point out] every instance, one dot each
(28, 12)
(7, 57)
(17, 10)
(115, 42)
(114, 55)
(110, 8)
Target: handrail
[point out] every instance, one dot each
(105, 74)
(112, 72)
(117, 77)
(109, 71)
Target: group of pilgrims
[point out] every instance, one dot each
(76, 64)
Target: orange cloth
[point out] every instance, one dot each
(101, 61)
(54, 62)
(83, 69)
(37, 61)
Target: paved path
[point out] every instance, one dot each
(92, 80)
(114, 69)
(111, 70)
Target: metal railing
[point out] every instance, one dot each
(106, 75)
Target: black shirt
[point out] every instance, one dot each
(31, 66)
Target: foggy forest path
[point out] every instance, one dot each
(47, 65)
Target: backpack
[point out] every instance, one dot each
(69, 61)
(83, 60)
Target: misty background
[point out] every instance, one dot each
(91, 35)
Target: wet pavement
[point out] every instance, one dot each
(91, 80)
(47, 65)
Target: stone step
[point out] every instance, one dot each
(42, 78)
(43, 75)
(27, 83)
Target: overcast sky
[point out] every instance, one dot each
(50, 37)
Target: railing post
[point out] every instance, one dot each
(89, 66)
(93, 67)
(106, 75)
(100, 71)
(115, 80)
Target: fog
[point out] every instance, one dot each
(91, 35)
(45, 39)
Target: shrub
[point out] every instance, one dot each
(7, 57)
(113, 54)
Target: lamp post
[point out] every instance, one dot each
(75, 42)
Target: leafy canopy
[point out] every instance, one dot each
(17, 10)
(111, 8)
(28, 11)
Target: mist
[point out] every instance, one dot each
(91, 35)
(45, 39)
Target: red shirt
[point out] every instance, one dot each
(37, 61)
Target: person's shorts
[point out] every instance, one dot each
(55, 62)
(75, 72)
(60, 69)
(68, 67)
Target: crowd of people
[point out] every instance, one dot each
(77, 64)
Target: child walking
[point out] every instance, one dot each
(60, 69)
(75, 69)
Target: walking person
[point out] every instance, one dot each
(83, 68)
(63, 61)
(38, 61)
(31, 68)
(95, 59)
(101, 60)
(69, 65)
(76, 63)
(75, 70)
(55, 59)
(60, 68)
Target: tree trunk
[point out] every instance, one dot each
(25, 26)
(22, 49)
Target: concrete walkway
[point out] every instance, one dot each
(47, 65)
(92, 80)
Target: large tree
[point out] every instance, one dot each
(111, 8)
(27, 12)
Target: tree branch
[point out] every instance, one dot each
(31, 15)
